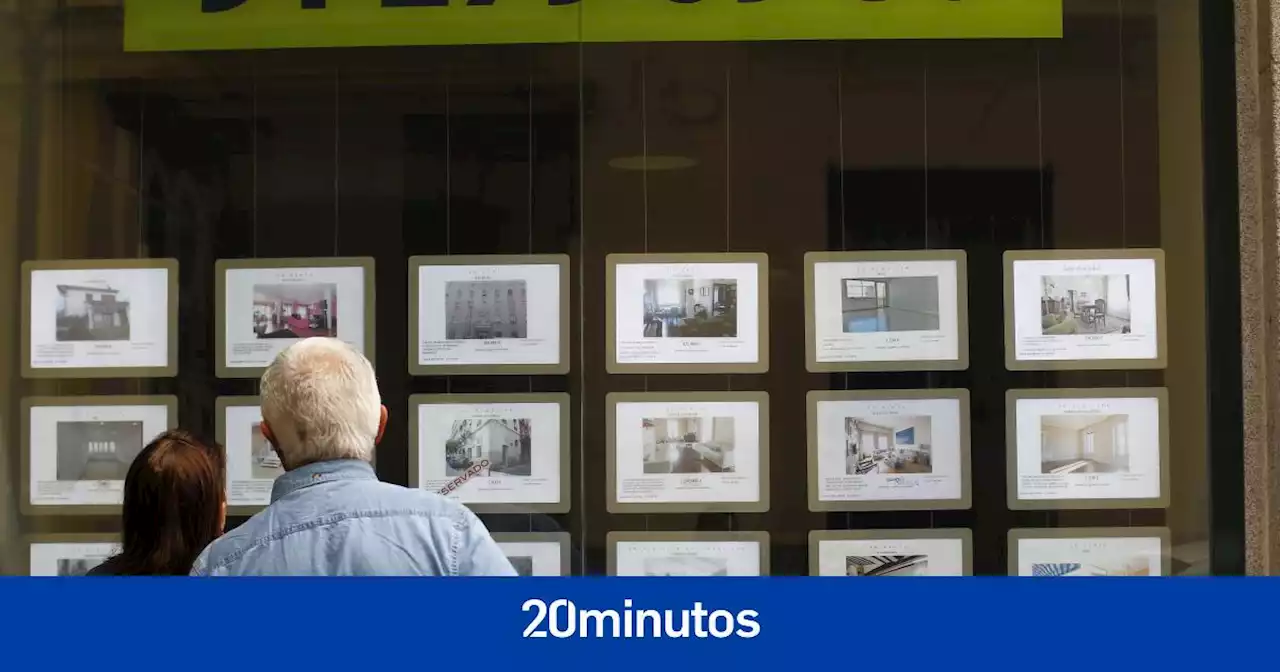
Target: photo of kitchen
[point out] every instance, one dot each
(693, 445)
(888, 445)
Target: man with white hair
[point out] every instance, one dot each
(329, 513)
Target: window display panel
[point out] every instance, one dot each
(886, 311)
(100, 318)
(77, 450)
(269, 304)
(891, 553)
(252, 464)
(1078, 309)
(688, 553)
(687, 313)
(688, 452)
(536, 553)
(1088, 449)
(69, 554)
(1122, 551)
(489, 314)
(496, 453)
(888, 450)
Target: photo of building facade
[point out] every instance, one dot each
(93, 311)
(505, 444)
(486, 309)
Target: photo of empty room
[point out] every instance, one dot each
(97, 451)
(264, 462)
(523, 564)
(486, 309)
(1084, 444)
(1084, 304)
(1135, 566)
(889, 304)
(295, 310)
(92, 311)
(75, 566)
(691, 308)
(886, 565)
(901, 444)
(686, 565)
(504, 442)
(687, 445)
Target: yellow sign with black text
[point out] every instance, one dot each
(184, 25)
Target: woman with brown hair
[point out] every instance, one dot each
(174, 505)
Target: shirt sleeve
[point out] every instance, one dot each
(478, 553)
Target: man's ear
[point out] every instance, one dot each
(267, 434)
(382, 426)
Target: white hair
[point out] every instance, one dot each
(320, 398)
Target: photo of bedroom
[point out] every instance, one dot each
(1084, 304)
(889, 304)
(691, 308)
(886, 565)
(295, 310)
(888, 445)
(1084, 444)
(687, 445)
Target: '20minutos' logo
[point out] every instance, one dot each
(562, 619)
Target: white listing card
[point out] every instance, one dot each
(501, 314)
(69, 558)
(886, 311)
(891, 449)
(80, 454)
(1090, 556)
(1088, 448)
(687, 558)
(891, 557)
(1085, 309)
(694, 313)
(100, 318)
(534, 558)
(252, 464)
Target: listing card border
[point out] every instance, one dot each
(614, 538)
(562, 538)
(1019, 533)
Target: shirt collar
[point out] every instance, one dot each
(322, 472)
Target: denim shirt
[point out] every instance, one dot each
(337, 519)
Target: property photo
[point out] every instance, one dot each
(295, 310)
(688, 445)
(686, 565)
(1084, 444)
(1136, 566)
(1084, 304)
(264, 463)
(691, 308)
(522, 563)
(75, 566)
(97, 451)
(886, 565)
(486, 309)
(895, 444)
(503, 442)
(870, 305)
(92, 311)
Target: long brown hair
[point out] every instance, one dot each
(173, 498)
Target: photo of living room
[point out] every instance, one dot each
(888, 445)
(870, 305)
(886, 565)
(686, 565)
(688, 445)
(1084, 444)
(1084, 304)
(1134, 566)
(295, 310)
(691, 308)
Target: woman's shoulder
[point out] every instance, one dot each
(111, 567)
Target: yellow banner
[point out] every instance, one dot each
(181, 25)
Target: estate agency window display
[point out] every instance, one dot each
(675, 452)
(1106, 551)
(688, 553)
(495, 453)
(888, 450)
(100, 318)
(489, 315)
(1088, 448)
(886, 311)
(934, 552)
(536, 553)
(269, 304)
(252, 464)
(687, 313)
(69, 554)
(77, 450)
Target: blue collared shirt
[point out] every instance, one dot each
(337, 519)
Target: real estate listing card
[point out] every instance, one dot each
(536, 553)
(69, 554)
(1081, 309)
(1123, 551)
(269, 304)
(687, 451)
(888, 450)
(77, 450)
(934, 552)
(1088, 448)
(687, 313)
(688, 553)
(495, 453)
(489, 314)
(886, 311)
(252, 464)
(100, 318)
